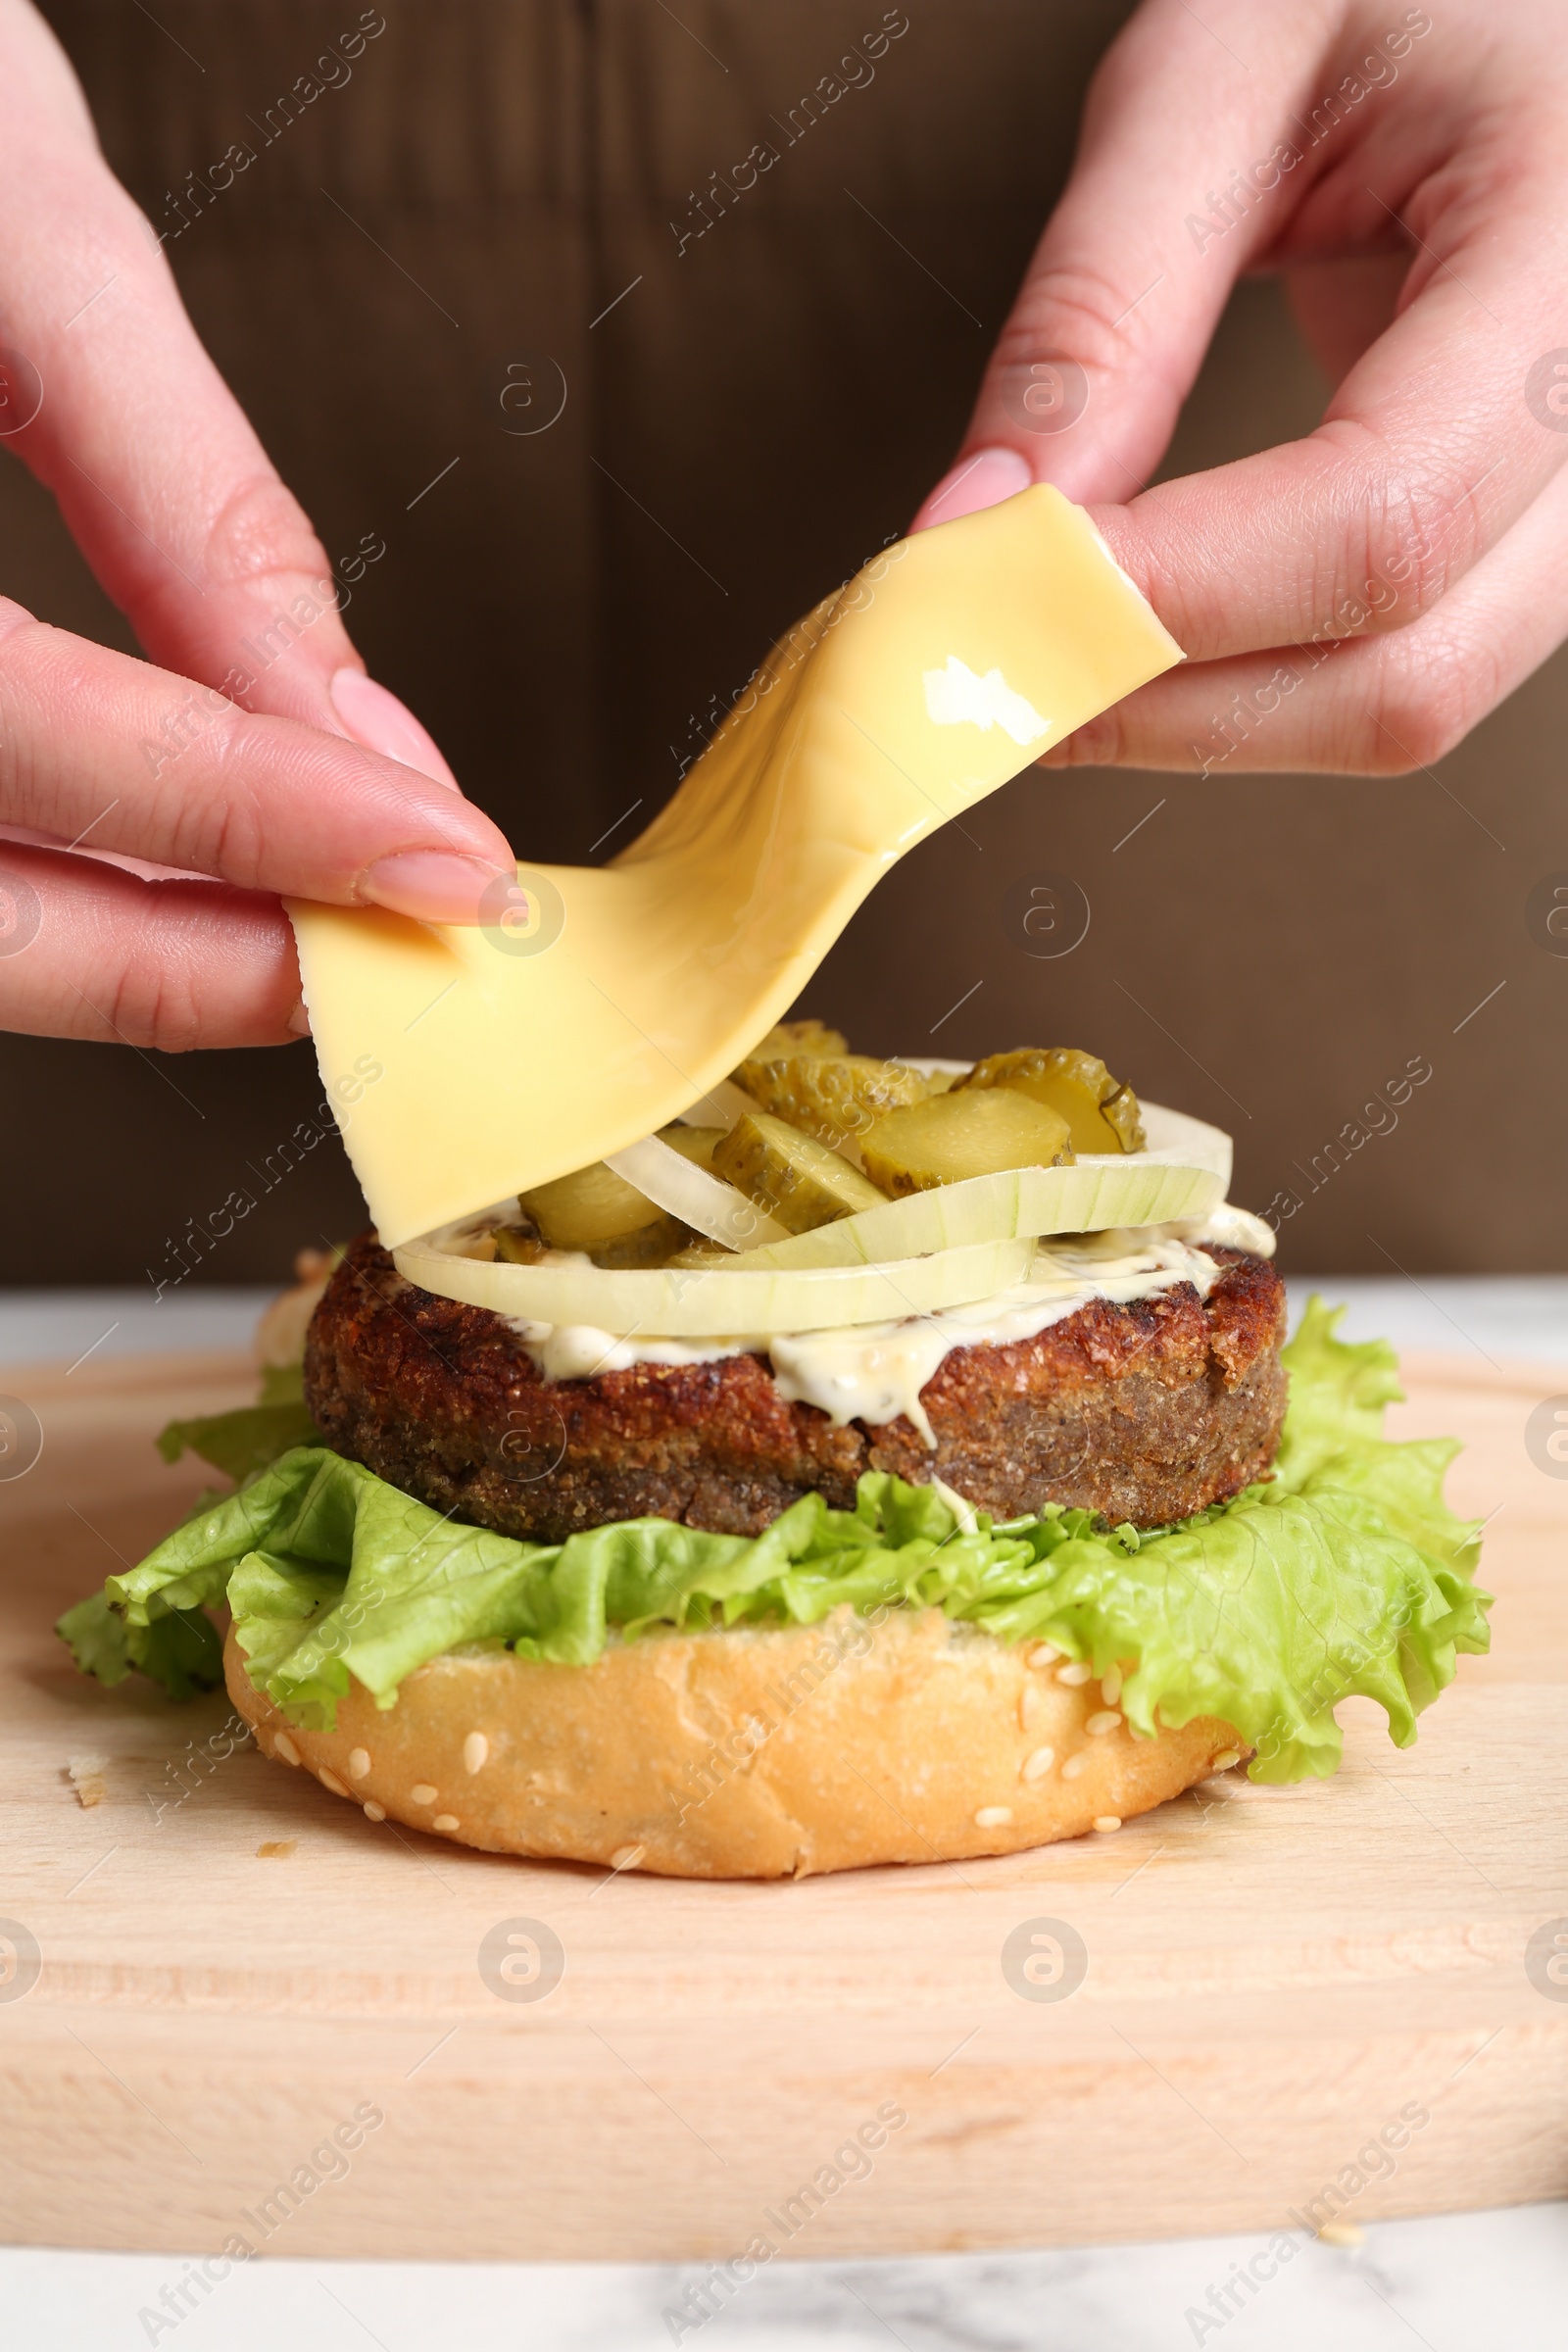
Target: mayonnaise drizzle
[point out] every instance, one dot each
(874, 1372)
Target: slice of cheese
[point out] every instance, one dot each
(467, 1064)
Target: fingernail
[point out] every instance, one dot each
(982, 480)
(377, 719)
(299, 1020)
(435, 886)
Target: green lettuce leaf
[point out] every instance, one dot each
(1345, 1573)
(252, 1436)
(181, 1649)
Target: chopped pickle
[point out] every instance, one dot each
(517, 1246)
(1102, 1114)
(799, 1180)
(651, 1245)
(696, 1144)
(963, 1134)
(834, 1097)
(586, 1208)
(799, 1037)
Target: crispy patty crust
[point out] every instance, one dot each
(1146, 1412)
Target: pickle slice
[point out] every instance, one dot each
(1102, 1114)
(799, 1180)
(958, 1134)
(651, 1245)
(834, 1097)
(587, 1208)
(1125, 1120)
(799, 1037)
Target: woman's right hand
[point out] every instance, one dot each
(256, 758)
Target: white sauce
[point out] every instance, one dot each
(873, 1372)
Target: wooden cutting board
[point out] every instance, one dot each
(1272, 1977)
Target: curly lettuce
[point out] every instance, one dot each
(1345, 1573)
(252, 1436)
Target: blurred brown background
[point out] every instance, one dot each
(753, 416)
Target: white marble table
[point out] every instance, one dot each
(1455, 2283)
(1475, 2283)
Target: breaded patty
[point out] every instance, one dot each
(1144, 1412)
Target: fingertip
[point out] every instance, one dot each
(983, 479)
(377, 718)
(436, 886)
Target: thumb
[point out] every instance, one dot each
(1183, 173)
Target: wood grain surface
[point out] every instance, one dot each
(1272, 1977)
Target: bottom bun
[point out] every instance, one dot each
(757, 1753)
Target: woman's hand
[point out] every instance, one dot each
(258, 752)
(1357, 600)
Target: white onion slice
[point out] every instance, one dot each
(1184, 1178)
(723, 1105)
(712, 1303)
(699, 1199)
(1174, 1141)
(1030, 1203)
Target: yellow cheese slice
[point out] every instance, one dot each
(466, 1064)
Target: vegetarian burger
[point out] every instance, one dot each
(885, 1464)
